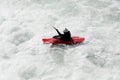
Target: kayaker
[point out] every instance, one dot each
(66, 36)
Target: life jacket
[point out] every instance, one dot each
(66, 36)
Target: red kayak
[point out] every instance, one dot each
(75, 40)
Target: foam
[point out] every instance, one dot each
(23, 24)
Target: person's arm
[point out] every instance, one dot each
(57, 31)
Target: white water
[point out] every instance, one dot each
(23, 56)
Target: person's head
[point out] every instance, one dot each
(65, 30)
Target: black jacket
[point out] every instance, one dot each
(65, 37)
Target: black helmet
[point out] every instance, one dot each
(65, 30)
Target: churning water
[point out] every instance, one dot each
(23, 56)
